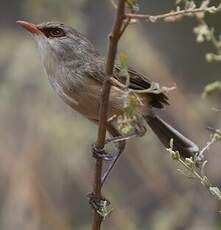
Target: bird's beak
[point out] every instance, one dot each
(29, 27)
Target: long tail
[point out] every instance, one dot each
(165, 132)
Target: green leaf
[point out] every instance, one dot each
(215, 191)
(124, 67)
(175, 155)
(123, 61)
(131, 107)
(210, 88)
(203, 33)
(210, 57)
(126, 129)
(190, 162)
(104, 209)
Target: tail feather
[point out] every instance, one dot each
(165, 132)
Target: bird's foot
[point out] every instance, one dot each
(102, 206)
(101, 153)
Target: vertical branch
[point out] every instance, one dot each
(103, 113)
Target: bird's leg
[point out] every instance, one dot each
(119, 138)
(121, 143)
(140, 130)
(101, 153)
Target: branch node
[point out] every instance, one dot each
(111, 36)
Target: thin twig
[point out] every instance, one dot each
(103, 113)
(216, 136)
(206, 147)
(154, 18)
(124, 27)
(216, 43)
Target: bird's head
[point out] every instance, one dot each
(59, 41)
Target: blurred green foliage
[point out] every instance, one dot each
(46, 168)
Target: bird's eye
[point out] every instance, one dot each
(56, 32)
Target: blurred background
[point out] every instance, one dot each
(46, 168)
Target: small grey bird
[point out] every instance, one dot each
(76, 71)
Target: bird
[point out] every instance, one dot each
(76, 71)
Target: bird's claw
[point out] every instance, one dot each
(101, 153)
(102, 206)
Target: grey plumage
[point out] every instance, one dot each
(76, 72)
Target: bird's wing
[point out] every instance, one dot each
(137, 81)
